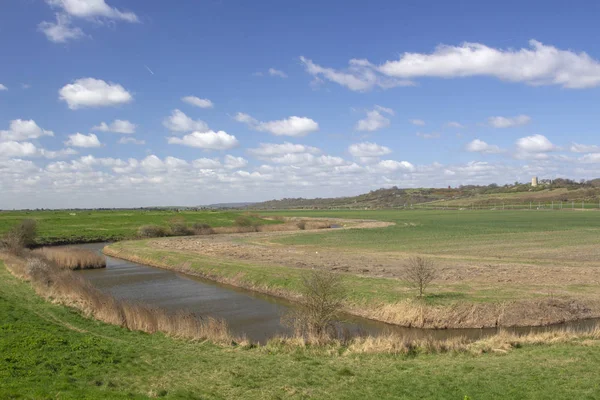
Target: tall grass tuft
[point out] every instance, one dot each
(72, 258)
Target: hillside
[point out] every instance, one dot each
(518, 194)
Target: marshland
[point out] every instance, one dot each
(240, 290)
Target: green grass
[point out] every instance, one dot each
(94, 226)
(49, 351)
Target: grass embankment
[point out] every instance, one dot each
(50, 351)
(68, 227)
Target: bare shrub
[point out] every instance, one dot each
(179, 227)
(301, 225)
(323, 294)
(152, 231)
(420, 272)
(203, 229)
(20, 236)
(245, 224)
(72, 258)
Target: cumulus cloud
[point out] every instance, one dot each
(392, 166)
(231, 162)
(269, 150)
(90, 92)
(360, 76)
(90, 9)
(454, 124)
(179, 122)
(210, 140)
(537, 64)
(291, 126)
(20, 130)
(117, 126)
(81, 140)
(60, 31)
(278, 73)
(198, 102)
(2, 87)
(584, 148)
(535, 144)
(509, 122)
(479, 146)
(368, 149)
(130, 140)
(17, 149)
(417, 122)
(375, 120)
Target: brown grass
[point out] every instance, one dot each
(72, 258)
(65, 287)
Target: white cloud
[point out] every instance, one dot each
(90, 92)
(537, 65)
(117, 126)
(232, 162)
(584, 148)
(278, 73)
(2, 87)
(179, 122)
(269, 150)
(479, 146)
(206, 163)
(509, 122)
(534, 147)
(360, 76)
(60, 31)
(433, 135)
(454, 124)
(291, 126)
(417, 122)
(375, 120)
(392, 166)
(81, 140)
(368, 149)
(20, 130)
(198, 102)
(17, 149)
(592, 158)
(130, 140)
(91, 9)
(207, 140)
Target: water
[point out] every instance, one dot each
(256, 316)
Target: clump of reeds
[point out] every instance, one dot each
(68, 288)
(72, 258)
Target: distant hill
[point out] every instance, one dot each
(228, 205)
(559, 190)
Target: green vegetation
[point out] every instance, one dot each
(94, 226)
(50, 351)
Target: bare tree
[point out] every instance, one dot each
(20, 236)
(323, 294)
(420, 272)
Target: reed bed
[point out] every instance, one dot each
(72, 258)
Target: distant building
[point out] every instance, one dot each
(534, 181)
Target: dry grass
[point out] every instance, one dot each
(72, 258)
(65, 287)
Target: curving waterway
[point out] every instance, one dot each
(256, 316)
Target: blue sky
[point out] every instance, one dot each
(221, 101)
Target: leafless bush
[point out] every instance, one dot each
(246, 224)
(179, 227)
(301, 225)
(203, 229)
(323, 294)
(420, 272)
(20, 236)
(152, 231)
(72, 258)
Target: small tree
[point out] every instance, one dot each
(21, 236)
(420, 272)
(323, 294)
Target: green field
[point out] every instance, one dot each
(95, 226)
(49, 351)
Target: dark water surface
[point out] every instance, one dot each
(256, 316)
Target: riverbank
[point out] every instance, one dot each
(381, 299)
(49, 350)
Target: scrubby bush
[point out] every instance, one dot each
(203, 229)
(243, 221)
(20, 236)
(420, 272)
(301, 225)
(179, 227)
(152, 231)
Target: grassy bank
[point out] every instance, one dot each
(66, 227)
(51, 351)
(382, 299)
